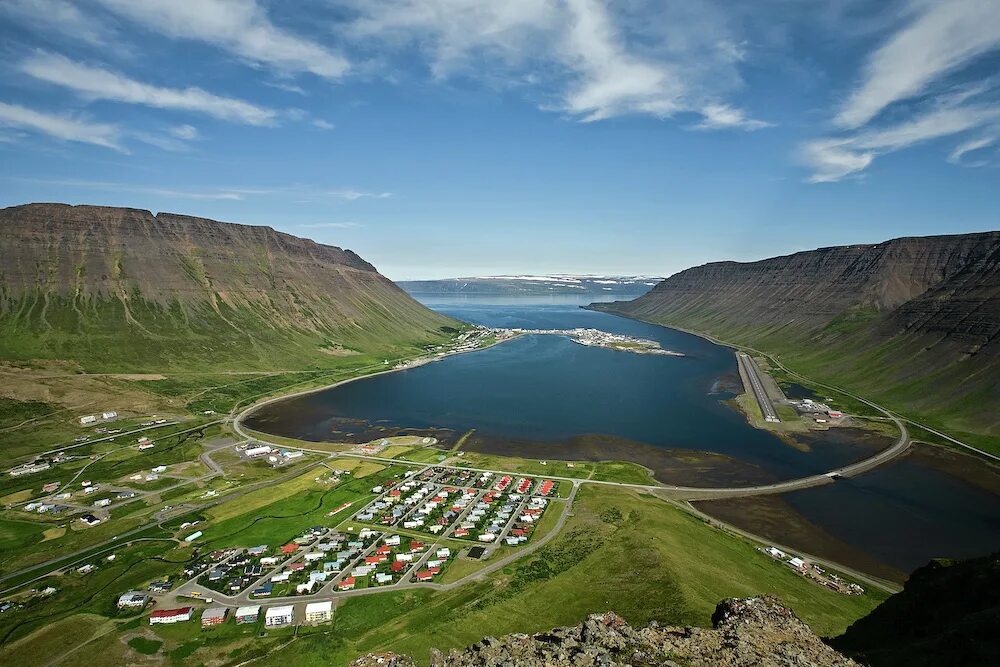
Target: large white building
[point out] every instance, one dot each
(319, 612)
(278, 616)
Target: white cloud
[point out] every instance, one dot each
(58, 15)
(101, 84)
(592, 60)
(911, 79)
(241, 27)
(67, 128)
(723, 116)
(141, 189)
(332, 225)
(350, 194)
(186, 132)
(971, 146)
(944, 37)
(834, 159)
(323, 124)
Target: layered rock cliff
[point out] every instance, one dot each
(747, 632)
(912, 321)
(119, 287)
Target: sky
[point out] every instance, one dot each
(442, 138)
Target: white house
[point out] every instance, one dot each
(319, 612)
(88, 419)
(278, 616)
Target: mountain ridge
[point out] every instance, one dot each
(79, 277)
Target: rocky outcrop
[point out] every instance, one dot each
(913, 321)
(115, 285)
(747, 632)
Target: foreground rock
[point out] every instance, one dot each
(751, 631)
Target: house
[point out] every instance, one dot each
(307, 587)
(103, 502)
(258, 550)
(159, 587)
(289, 549)
(110, 414)
(346, 584)
(319, 612)
(50, 487)
(278, 616)
(170, 615)
(443, 553)
(296, 567)
(214, 616)
(263, 591)
(280, 578)
(775, 552)
(397, 566)
(132, 600)
(88, 419)
(248, 614)
(424, 575)
(797, 563)
(292, 454)
(383, 578)
(90, 519)
(193, 536)
(268, 560)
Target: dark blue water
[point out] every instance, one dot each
(547, 389)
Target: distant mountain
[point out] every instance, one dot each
(947, 614)
(120, 288)
(914, 322)
(533, 285)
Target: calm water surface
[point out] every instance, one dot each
(546, 389)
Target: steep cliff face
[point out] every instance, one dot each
(122, 287)
(947, 614)
(914, 321)
(747, 632)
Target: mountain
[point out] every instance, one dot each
(526, 285)
(121, 288)
(913, 322)
(947, 614)
(748, 632)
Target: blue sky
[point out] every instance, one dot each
(468, 137)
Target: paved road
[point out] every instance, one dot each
(752, 375)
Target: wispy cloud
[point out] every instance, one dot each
(61, 16)
(723, 116)
(64, 127)
(834, 159)
(908, 81)
(350, 194)
(185, 132)
(323, 124)
(140, 189)
(101, 84)
(940, 40)
(331, 225)
(972, 146)
(589, 58)
(241, 27)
